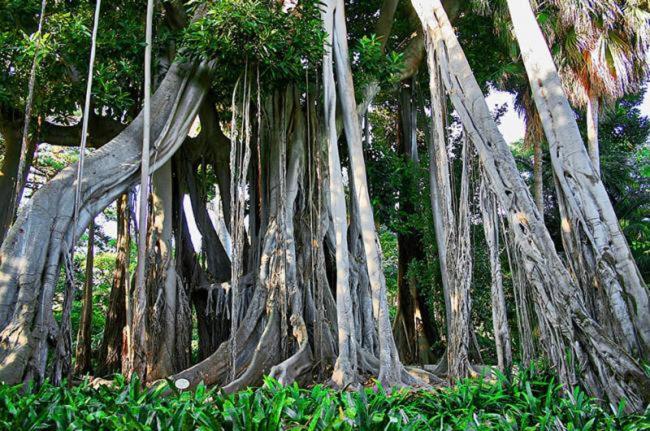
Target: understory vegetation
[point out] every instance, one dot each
(531, 400)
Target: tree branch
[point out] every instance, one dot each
(101, 130)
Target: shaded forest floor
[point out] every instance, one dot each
(532, 400)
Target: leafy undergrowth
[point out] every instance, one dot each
(531, 401)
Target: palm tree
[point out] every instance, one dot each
(601, 49)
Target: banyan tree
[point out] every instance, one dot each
(256, 137)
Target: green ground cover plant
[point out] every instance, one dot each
(532, 400)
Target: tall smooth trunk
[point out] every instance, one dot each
(598, 253)
(538, 176)
(390, 365)
(592, 132)
(439, 183)
(137, 353)
(345, 369)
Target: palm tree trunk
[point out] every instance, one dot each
(538, 177)
(598, 252)
(592, 131)
(83, 354)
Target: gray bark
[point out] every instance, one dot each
(599, 255)
(31, 254)
(460, 267)
(345, 369)
(499, 316)
(538, 177)
(603, 367)
(167, 343)
(592, 132)
(390, 373)
(137, 346)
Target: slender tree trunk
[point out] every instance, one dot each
(440, 185)
(83, 354)
(345, 369)
(390, 373)
(110, 350)
(22, 163)
(592, 131)
(598, 252)
(599, 364)
(137, 352)
(499, 316)
(538, 177)
(448, 240)
(9, 172)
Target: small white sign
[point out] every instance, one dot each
(182, 384)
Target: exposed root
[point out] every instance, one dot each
(300, 362)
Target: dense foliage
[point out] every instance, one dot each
(234, 32)
(533, 400)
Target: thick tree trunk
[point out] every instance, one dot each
(499, 316)
(460, 265)
(168, 314)
(345, 369)
(599, 255)
(603, 367)
(592, 132)
(452, 254)
(278, 332)
(110, 350)
(83, 354)
(31, 253)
